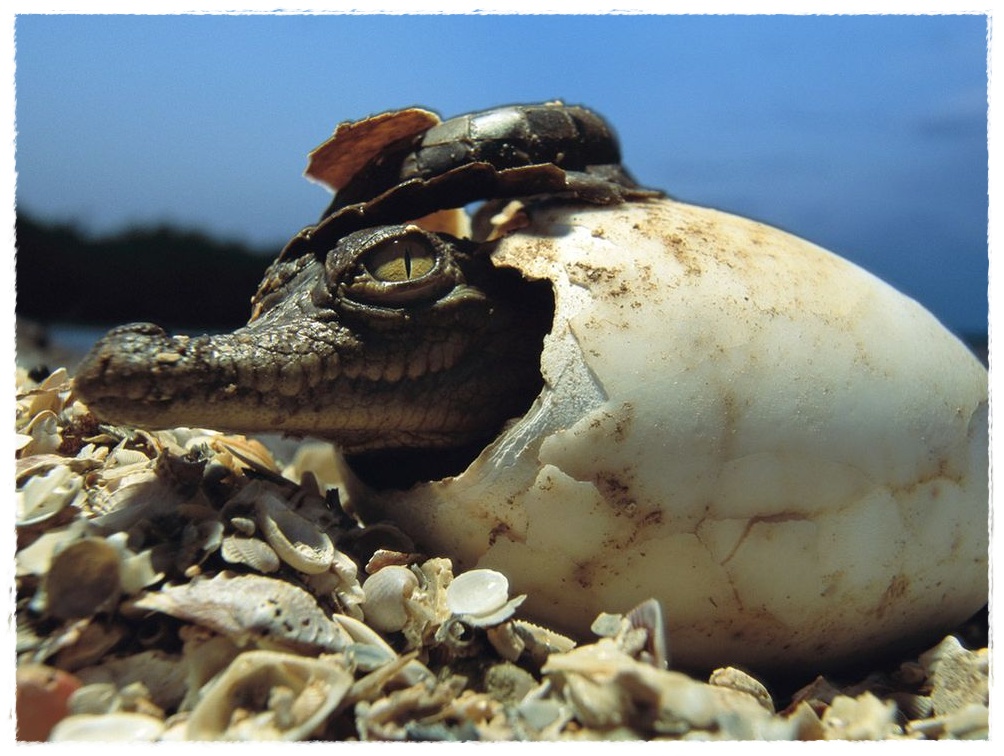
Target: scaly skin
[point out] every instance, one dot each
(398, 338)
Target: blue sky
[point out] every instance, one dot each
(866, 134)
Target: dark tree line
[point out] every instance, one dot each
(173, 277)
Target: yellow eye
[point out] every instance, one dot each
(399, 266)
(400, 260)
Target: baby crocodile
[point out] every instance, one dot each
(399, 338)
(389, 339)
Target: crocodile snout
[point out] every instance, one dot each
(135, 370)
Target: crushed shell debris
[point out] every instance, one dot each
(183, 585)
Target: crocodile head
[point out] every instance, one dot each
(396, 339)
(400, 344)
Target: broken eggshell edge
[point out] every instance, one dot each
(786, 452)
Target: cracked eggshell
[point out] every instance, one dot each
(787, 453)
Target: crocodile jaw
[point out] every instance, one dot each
(244, 382)
(296, 368)
(139, 375)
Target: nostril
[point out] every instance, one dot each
(140, 329)
(126, 348)
(134, 333)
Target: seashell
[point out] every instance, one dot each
(490, 619)
(297, 541)
(85, 461)
(83, 579)
(322, 462)
(140, 495)
(541, 642)
(89, 455)
(508, 683)
(545, 717)
(44, 434)
(365, 636)
(972, 722)
(36, 558)
(457, 637)
(120, 726)
(861, 718)
(640, 633)
(609, 689)
(387, 593)
(243, 525)
(95, 698)
(913, 705)
(388, 717)
(129, 460)
(313, 507)
(190, 439)
(153, 675)
(58, 381)
(386, 557)
(42, 496)
(251, 606)
(647, 616)
(479, 598)
(251, 452)
(253, 552)
(734, 423)
(473, 708)
(607, 625)
(43, 695)
(345, 569)
(956, 676)
(736, 679)
(590, 677)
(477, 592)
(210, 534)
(204, 656)
(49, 396)
(818, 693)
(341, 584)
(506, 641)
(136, 697)
(93, 640)
(800, 722)
(911, 673)
(400, 672)
(266, 695)
(135, 570)
(427, 607)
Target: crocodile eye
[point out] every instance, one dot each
(400, 260)
(397, 266)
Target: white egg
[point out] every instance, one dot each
(787, 453)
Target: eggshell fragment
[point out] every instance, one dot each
(785, 452)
